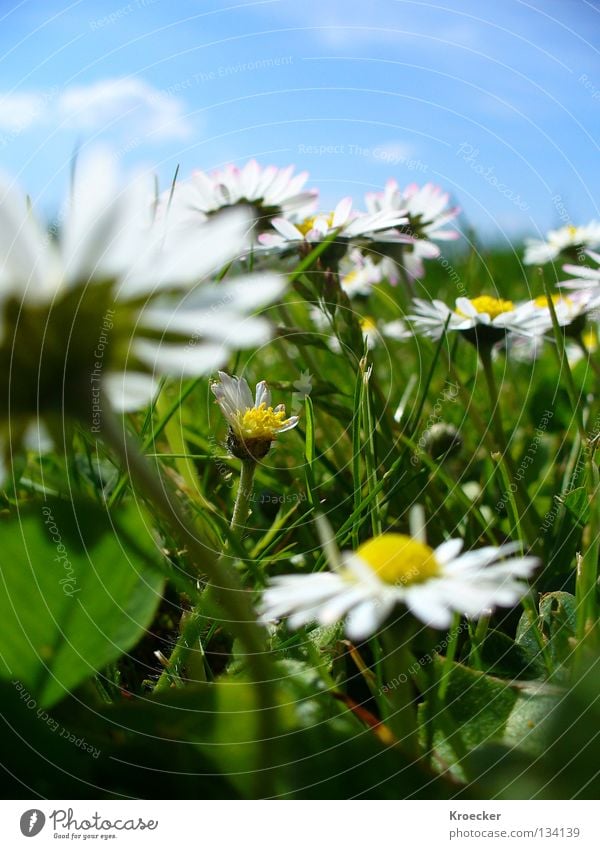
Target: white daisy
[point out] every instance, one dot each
(427, 211)
(481, 319)
(91, 319)
(373, 330)
(426, 208)
(253, 422)
(265, 192)
(352, 227)
(566, 240)
(391, 569)
(585, 277)
(358, 273)
(569, 310)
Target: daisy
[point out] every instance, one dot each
(91, 319)
(570, 310)
(365, 586)
(358, 274)
(372, 329)
(426, 208)
(585, 277)
(481, 319)
(266, 193)
(352, 227)
(253, 422)
(566, 240)
(427, 211)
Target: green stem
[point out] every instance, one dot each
(525, 507)
(449, 660)
(398, 668)
(485, 356)
(226, 588)
(241, 507)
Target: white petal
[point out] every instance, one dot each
(242, 295)
(180, 360)
(448, 551)
(26, 258)
(263, 394)
(130, 391)
(226, 326)
(366, 618)
(342, 211)
(427, 604)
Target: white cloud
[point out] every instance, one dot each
(19, 111)
(126, 106)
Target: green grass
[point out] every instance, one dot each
(492, 709)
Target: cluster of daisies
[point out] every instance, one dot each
(174, 274)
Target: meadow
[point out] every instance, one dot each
(385, 589)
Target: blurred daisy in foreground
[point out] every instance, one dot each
(483, 319)
(392, 569)
(568, 240)
(253, 422)
(265, 193)
(92, 319)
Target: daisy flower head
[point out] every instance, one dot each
(253, 422)
(483, 320)
(585, 277)
(392, 569)
(264, 192)
(374, 330)
(568, 241)
(426, 208)
(427, 211)
(358, 274)
(571, 311)
(351, 227)
(91, 318)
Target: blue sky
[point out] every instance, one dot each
(499, 102)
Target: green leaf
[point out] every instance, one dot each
(75, 593)
(567, 765)
(556, 623)
(506, 659)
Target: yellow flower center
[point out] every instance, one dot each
(492, 306)
(349, 278)
(307, 225)
(572, 230)
(260, 422)
(399, 559)
(368, 324)
(590, 339)
(542, 300)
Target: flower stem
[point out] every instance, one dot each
(226, 588)
(241, 508)
(526, 508)
(398, 667)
